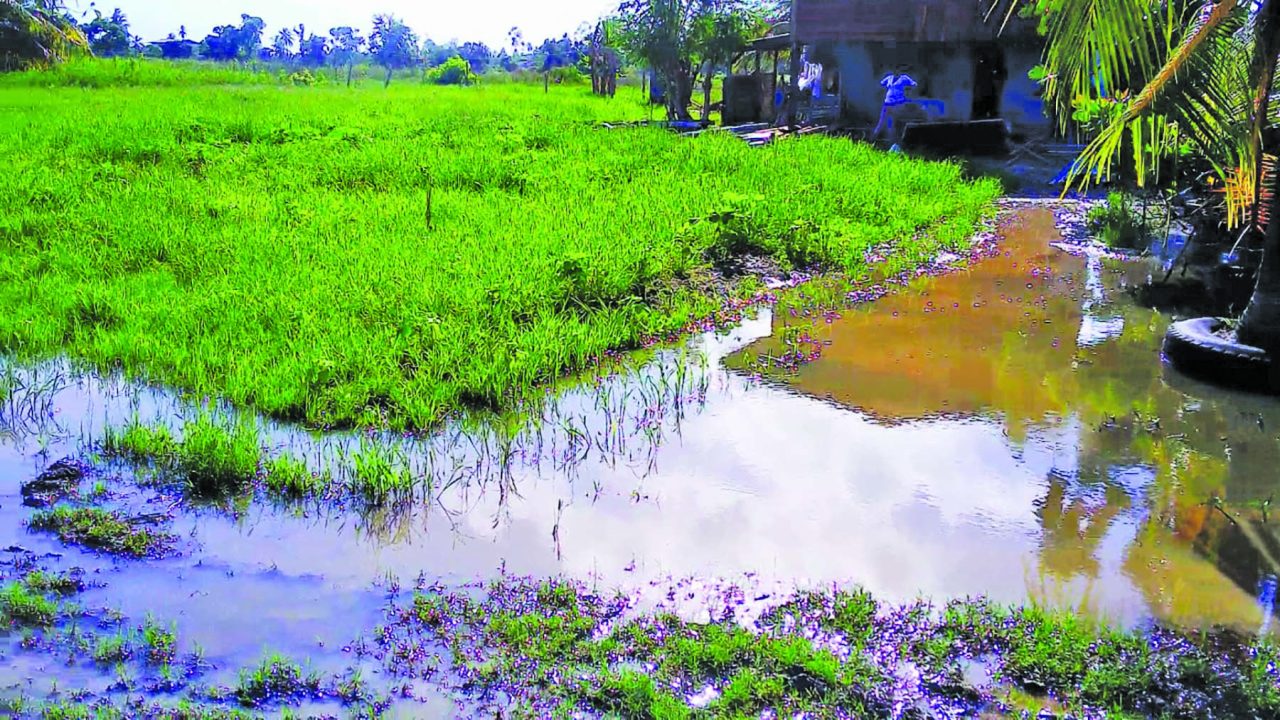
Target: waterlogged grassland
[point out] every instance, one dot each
(555, 649)
(273, 246)
(545, 648)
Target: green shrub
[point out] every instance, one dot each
(1117, 225)
(303, 78)
(454, 71)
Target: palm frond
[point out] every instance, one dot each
(1098, 48)
(1200, 96)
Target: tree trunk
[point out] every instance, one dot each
(387, 82)
(706, 93)
(791, 109)
(679, 92)
(1265, 52)
(1260, 325)
(350, 69)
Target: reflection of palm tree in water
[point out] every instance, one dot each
(1072, 528)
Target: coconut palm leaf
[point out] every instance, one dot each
(1097, 48)
(1201, 95)
(1149, 77)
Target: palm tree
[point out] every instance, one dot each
(1157, 75)
(283, 43)
(38, 32)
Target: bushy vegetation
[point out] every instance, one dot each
(386, 258)
(454, 71)
(1117, 224)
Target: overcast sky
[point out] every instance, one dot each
(441, 20)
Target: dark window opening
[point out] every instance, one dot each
(989, 76)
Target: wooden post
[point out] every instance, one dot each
(793, 89)
(791, 107)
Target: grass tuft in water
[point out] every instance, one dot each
(111, 649)
(106, 530)
(379, 472)
(139, 442)
(56, 583)
(277, 679)
(161, 643)
(218, 458)
(288, 477)
(20, 605)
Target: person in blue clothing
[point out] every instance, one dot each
(895, 86)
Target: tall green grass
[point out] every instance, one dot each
(273, 246)
(145, 72)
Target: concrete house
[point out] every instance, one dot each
(967, 69)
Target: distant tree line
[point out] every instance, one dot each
(681, 42)
(391, 44)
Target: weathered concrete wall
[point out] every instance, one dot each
(1021, 104)
(945, 73)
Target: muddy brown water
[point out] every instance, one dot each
(1007, 430)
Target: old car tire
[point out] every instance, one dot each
(1193, 347)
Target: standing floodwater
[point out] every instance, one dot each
(1006, 430)
(1039, 445)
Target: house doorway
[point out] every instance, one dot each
(989, 75)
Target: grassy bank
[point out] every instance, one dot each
(383, 258)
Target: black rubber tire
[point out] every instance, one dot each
(1192, 347)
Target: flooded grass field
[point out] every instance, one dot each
(360, 258)
(979, 495)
